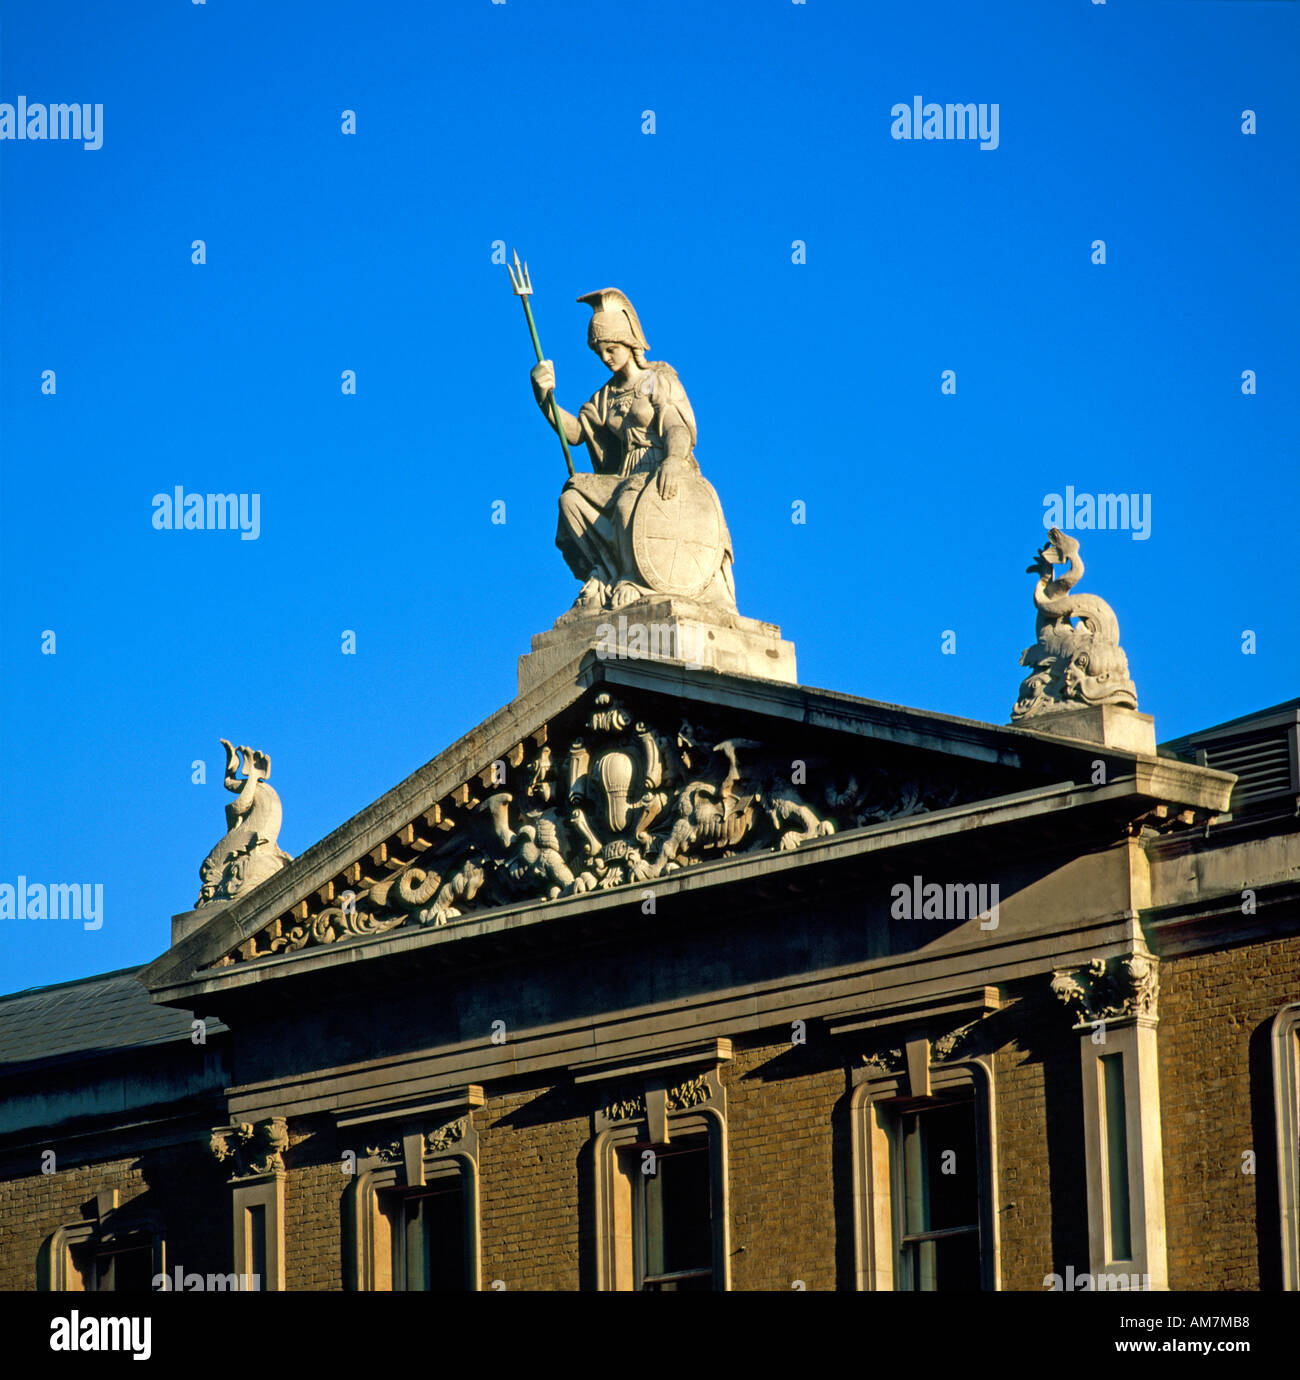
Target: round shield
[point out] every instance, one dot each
(677, 544)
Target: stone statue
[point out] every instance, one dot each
(646, 521)
(1075, 666)
(248, 853)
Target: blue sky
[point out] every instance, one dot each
(817, 381)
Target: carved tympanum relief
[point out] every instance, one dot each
(620, 801)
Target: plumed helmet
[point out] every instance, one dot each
(613, 317)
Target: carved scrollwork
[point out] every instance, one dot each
(626, 1108)
(435, 1142)
(956, 1043)
(689, 1093)
(389, 1151)
(883, 1061)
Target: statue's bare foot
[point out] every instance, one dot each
(592, 595)
(625, 593)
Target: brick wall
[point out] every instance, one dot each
(168, 1181)
(1216, 1100)
(784, 1128)
(314, 1206)
(536, 1189)
(1042, 1185)
(790, 1173)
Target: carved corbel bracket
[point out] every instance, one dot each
(250, 1150)
(1109, 989)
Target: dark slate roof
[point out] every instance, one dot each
(96, 1014)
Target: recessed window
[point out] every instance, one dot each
(937, 1164)
(661, 1205)
(925, 1168)
(1117, 1191)
(255, 1226)
(123, 1266)
(428, 1236)
(673, 1217)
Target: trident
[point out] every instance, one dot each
(524, 290)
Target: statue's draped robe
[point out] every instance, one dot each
(624, 431)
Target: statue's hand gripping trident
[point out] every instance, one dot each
(523, 287)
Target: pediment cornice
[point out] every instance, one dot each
(621, 778)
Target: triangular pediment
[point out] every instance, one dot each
(618, 778)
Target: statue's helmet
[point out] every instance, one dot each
(614, 318)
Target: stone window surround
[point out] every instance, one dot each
(266, 1192)
(252, 1155)
(1133, 1041)
(1116, 1004)
(371, 1266)
(878, 1095)
(646, 1102)
(1285, 1043)
(109, 1221)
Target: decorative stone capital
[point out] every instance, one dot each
(1109, 989)
(249, 1151)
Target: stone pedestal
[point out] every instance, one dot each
(189, 920)
(663, 628)
(1103, 724)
